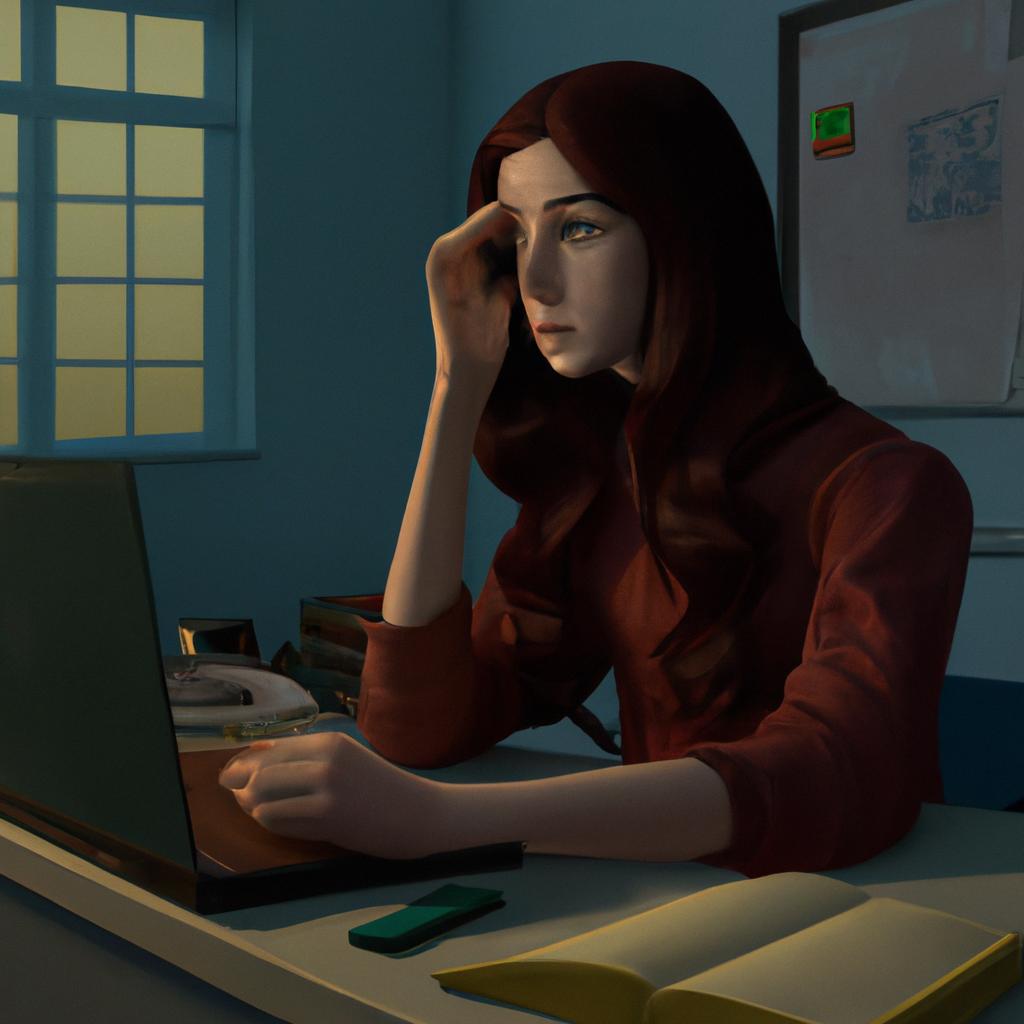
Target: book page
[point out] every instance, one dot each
(682, 938)
(852, 968)
(697, 932)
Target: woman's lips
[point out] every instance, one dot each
(546, 327)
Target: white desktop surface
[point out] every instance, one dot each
(293, 960)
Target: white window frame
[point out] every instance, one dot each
(228, 335)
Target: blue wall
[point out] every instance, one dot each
(351, 140)
(367, 116)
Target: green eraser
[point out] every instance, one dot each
(424, 918)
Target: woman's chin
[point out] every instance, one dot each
(572, 368)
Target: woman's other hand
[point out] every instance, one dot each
(327, 786)
(470, 298)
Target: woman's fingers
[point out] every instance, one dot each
(489, 222)
(300, 817)
(472, 287)
(283, 781)
(473, 244)
(328, 786)
(236, 773)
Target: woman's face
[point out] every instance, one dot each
(582, 265)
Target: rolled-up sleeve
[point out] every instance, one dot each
(443, 692)
(837, 773)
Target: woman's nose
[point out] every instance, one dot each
(540, 277)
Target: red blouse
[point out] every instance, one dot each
(819, 711)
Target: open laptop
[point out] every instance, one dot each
(88, 756)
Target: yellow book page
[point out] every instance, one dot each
(579, 992)
(606, 976)
(850, 969)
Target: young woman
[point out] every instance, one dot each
(773, 574)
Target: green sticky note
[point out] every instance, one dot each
(828, 124)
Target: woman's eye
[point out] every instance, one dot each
(570, 230)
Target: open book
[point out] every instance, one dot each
(789, 947)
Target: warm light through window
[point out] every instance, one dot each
(8, 153)
(8, 320)
(8, 404)
(10, 42)
(90, 240)
(8, 239)
(168, 161)
(91, 321)
(168, 56)
(168, 241)
(169, 321)
(90, 158)
(168, 399)
(92, 48)
(114, 219)
(91, 402)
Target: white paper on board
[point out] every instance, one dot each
(912, 247)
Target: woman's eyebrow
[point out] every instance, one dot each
(579, 197)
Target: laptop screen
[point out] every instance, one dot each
(85, 728)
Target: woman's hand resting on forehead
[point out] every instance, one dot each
(469, 303)
(329, 787)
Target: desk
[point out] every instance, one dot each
(293, 961)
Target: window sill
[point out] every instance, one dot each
(136, 457)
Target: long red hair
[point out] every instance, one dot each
(725, 371)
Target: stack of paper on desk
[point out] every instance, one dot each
(792, 947)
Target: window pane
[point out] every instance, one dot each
(168, 161)
(90, 158)
(168, 241)
(8, 320)
(90, 402)
(10, 41)
(169, 321)
(8, 404)
(90, 321)
(8, 239)
(168, 56)
(168, 400)
(8, 152)
(90, 240)
(92, 48)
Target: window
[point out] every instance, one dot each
(125, 262)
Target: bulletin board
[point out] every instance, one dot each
(901, 199)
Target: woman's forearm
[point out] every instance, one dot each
(673, 810)
(426, 571)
